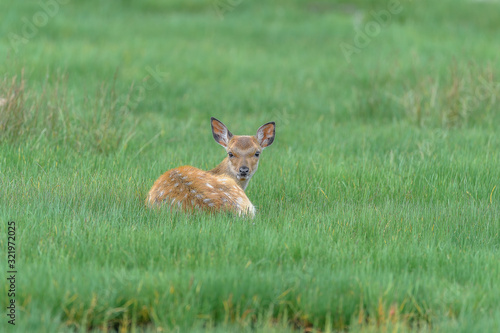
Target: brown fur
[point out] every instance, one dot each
(190, 188)
(220, 189)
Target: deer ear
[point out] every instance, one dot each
(220, 132)
(265, 134)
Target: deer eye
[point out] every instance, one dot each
(230, 154)
(257, 154)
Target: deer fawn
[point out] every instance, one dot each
(222, 188)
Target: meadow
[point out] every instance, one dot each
(378, 204)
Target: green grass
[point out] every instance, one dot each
(378, 203)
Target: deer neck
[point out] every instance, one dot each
(223, 169)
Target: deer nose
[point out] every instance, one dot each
(244, 170)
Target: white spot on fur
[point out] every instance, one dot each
(185, 177)
(185, 196)
(176, 184)
(189, 183)
(193, 191)
(161, 193)
(206, 200)
(173, 201)
(211, 204)
(209, 185)
(199, 196)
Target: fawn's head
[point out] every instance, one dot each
(243, 150)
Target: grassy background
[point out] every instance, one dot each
(378, 203)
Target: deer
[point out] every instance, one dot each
(221, 189)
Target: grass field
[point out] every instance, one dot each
(378, 203)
